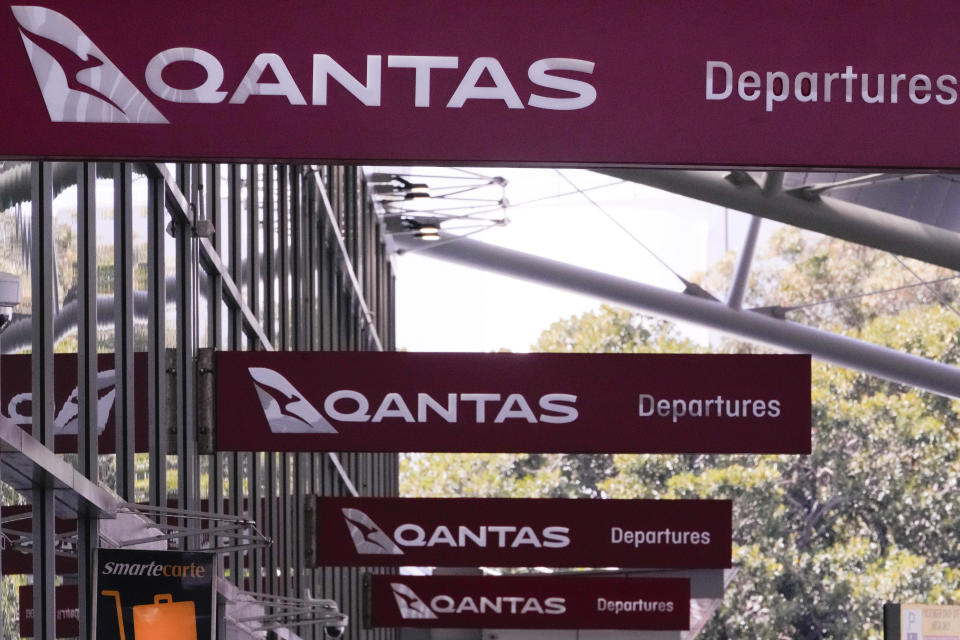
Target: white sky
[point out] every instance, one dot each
(446, 307)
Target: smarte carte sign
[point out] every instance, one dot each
(530, 602)
(625, 82)
(502, 402)
(500, 532)
(154, 594)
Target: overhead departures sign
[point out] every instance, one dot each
(530, 602)
(502, 402)
(627, 82)
(514, 532)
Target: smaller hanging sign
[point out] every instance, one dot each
(530, 602)
(508, 532)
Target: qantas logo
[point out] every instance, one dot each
(367, 536)
(78, 82)
(286, 409)
(410, 605)
(66, 420)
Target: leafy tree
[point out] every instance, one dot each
(606, 330)
(820, 541)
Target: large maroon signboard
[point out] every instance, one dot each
(502, 532)
(639, 403)
(712, 82)
(530, 602)
(16, 399)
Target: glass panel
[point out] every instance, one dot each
(223, 230)
(15, 217)
(105, 261)
(243, 220)
(277, 266)
(260, 242)
(141, 265)
(65, 256)
(204, 295)
(170, 268)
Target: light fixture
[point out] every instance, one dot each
(423, 227)
(401, 188)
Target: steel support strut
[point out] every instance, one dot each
(836, 349)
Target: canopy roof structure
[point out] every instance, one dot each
(909, 215)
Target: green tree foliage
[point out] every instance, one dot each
(820, 541)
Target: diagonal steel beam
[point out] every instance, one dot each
(829, 347)
(829, 216)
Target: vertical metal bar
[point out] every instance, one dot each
(42, 291)
(123, 326)
(156, 339)
(283, 267)
(257, 512)
(253, 240)
(236, 264)
(273, 520)
(215, 214)
(217, 338)
(326, 294)
(298, 525)
(269, 253)
(236, 507)
(186, 351)
(310, 250)
(287, 508)
(87, 445)
(296, 262)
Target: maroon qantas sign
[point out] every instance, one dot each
(500, 532)
(643, 403)
(530, 602)
(17, 399)
(641, 82)
(67, 615)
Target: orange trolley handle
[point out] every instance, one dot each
(116, 596)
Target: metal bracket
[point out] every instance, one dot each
(206, 401)
(204, 229)
(258, 612)
(211, 529)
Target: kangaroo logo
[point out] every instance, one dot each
(286, 409)
(77, 80)
(367, 536)
(410, 604)
(66, 422)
